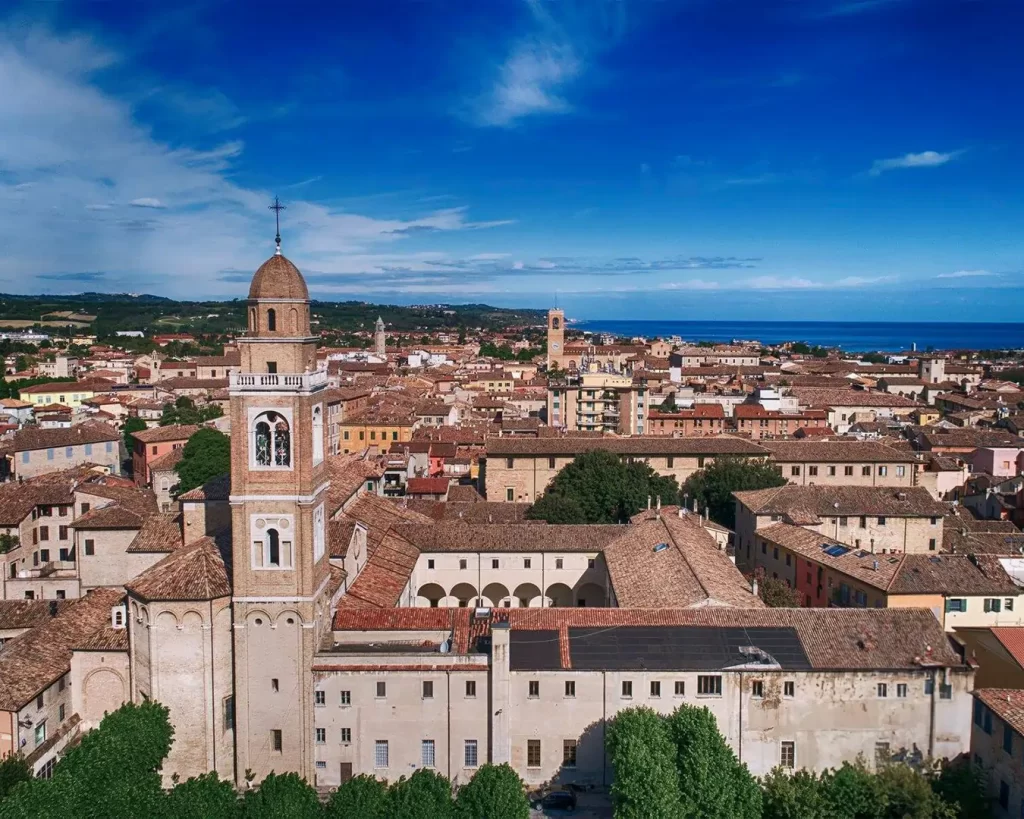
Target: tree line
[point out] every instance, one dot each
(114, 773)
(680, 767)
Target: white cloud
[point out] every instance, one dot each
(925, 159)
(779, 283)
(964, 274)
(71, 151)
(530, 82)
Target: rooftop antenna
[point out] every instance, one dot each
(277, 207)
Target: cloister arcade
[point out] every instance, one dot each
(524, 595)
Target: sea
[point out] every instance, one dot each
(853, 336)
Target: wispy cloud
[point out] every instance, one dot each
(850, 8)
(758, 179)
(965, 274)
(529, 82)
(147, 202)
(303, 183)
(925, 159)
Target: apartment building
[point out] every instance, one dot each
(33, 451)
(151, 444)
(400, 689)
(961, 590)
(518, 469)
(599, 402)
(880, 520)
(842, 463)
(759, 422)
(997, 747)
(701, 419)
(845, 406)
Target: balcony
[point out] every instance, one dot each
(277, 382)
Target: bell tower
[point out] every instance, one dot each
(281, 599)
(556, 337)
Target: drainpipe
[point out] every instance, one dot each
(931, 716)
(739, 744)
(604, 726)
(448, 679)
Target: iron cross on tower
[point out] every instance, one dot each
(277, 207)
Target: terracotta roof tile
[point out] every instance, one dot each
(16, 614)
(32, 438)
(172, 432)
(818, 501)
(215, 489)
(196, 571)
(1006, 703)
(836, 451)
(508, 446)
(1012, 638)
(159, 533)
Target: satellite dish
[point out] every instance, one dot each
(445, 647)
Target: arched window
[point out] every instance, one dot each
(294, 314)
(252, 320)
(282, 444)
(271, 319)
(272, 442)
(273, 548)
(556, 323)
(263, 443)
(318, 434)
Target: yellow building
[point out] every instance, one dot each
(68, 393)
(373, 429)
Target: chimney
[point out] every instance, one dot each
(681, 510)
(648, 503)
(753, 586)
(874, 565)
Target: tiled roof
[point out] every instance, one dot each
(339, 535)
(215, 489)
(818, 501)
(468, 537)
(835, 451)
(833, 639)
(105, 638)
(196, 571)
(1006, 703)
(17, 500)
(32, 438)
(821, 397)
(109, 517)
(171, 432)
(348, 473)
(691, 571)
(482, 512)
(90, 385)
(464, 493)
(654, 445)
(168, 460)
(16, 614)
(36, 659)
(973, 438)
(1012, 639)
(159, 533)
(427, 486)
(385, 575)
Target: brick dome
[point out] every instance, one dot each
(278, 279)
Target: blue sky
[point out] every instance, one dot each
(716, 159)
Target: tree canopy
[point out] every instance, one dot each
(646, 783)
(494, 792)
(185, 411)
(206, 455)
(599, 487)
(131, 425)
(712, 486)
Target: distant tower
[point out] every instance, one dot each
(379, 338)
(556, 337)
(931, 369)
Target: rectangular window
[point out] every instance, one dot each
(463, 563)
(346, 735)
(320, 698)
(848, 471)
(510, 494)
(1008, 604)
(509, 463)
(863, 522)
(901, 690)
(533, 753)
(494, 563)
(380, 753)
(1004, 795)
(881, 520)
(90, 547)
(551, 463)
(883, 690)
(680, 688)
(993, 604)
(842, 521)
(321, 736)
(382, 689)
(787, 757)
(570, 688)
(931, 544)
(591, 563)
(831, 471)
(430, 563)
(39, 701)
(44, 532)
(276, 740)
(627, 688)
(757, 689)
(558, 563)
(275, 684)
(1007, 739)
(568, 753)
(901, 471)
(534, 688)
(883, 470)
(60, 713)
(812, 470)
(881, 754)
(865, 471)
(428, 689)
(228, 712)
(469, 754)
(794, 470)
(470, 688)
(945, 691)
(527, 563)
(427, 753)
(346, 697)
(956, 604)
(709, 685)
(789, 689)
(655, 688)
(41, 732)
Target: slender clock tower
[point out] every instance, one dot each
(279, 566)
(556, 337)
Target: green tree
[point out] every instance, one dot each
(713, 784)
(852, 792)
(462, 335)
(603, 488)
(202, 797)
(669, 404)
(963, 785)
(13, 771)
(131, 424)
(206, 455)
(712, 487)
(646, 783)
(801, 348)
(908, 794)
(798, 795)
(364, 796)
(775, 593)
(8, 542)
(424, 795)
(282, 796)
(494, 792)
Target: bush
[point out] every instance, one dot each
(494, 792)
(646, 784)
